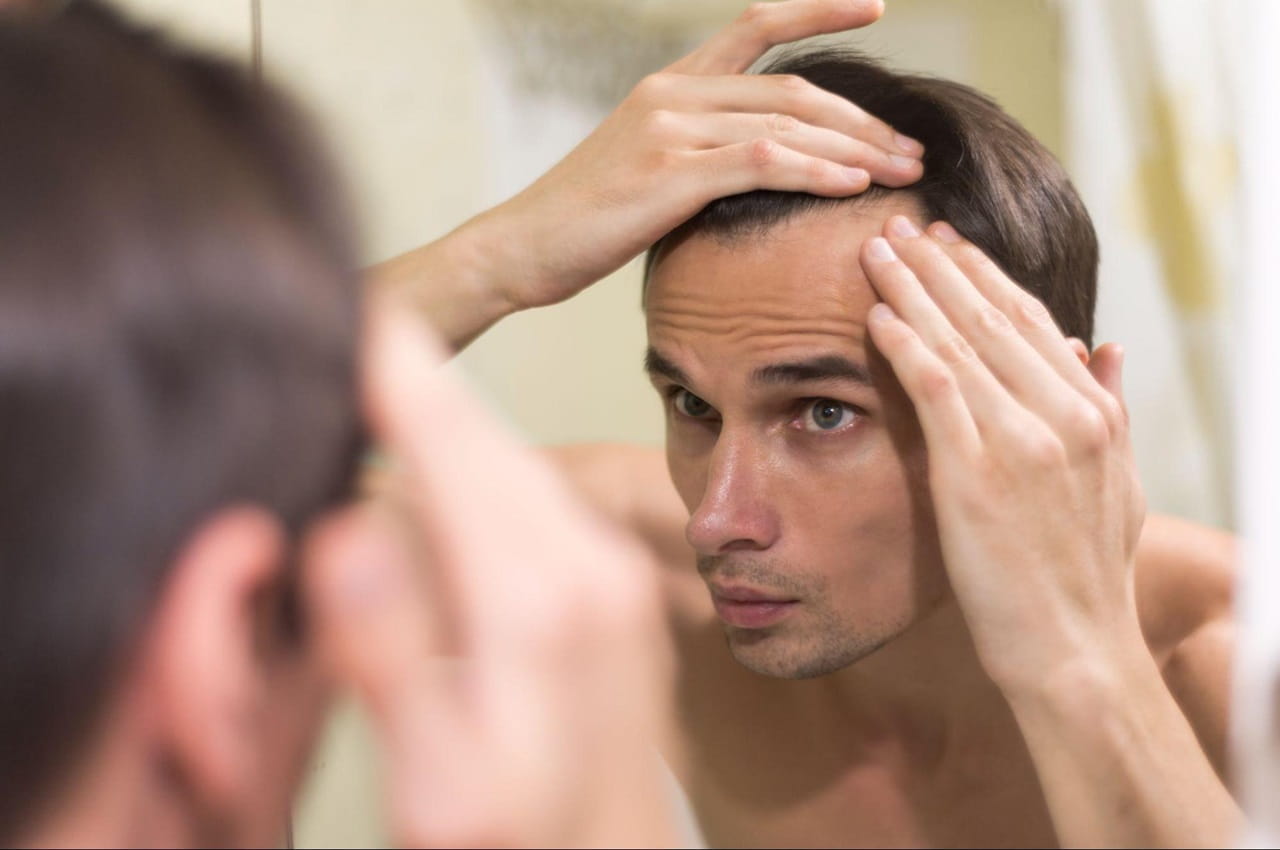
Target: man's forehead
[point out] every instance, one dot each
(806, 264)
(792, 291)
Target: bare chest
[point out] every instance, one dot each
(870, 806)
(764, 772)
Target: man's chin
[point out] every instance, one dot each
(780, 656)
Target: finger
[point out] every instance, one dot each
(1079, 349)
(713, 130)
(1035, 323)
(763, 25)
(1027, 313)
(989, 404)
(782, 94)
(1018, 366)
(765, 164)
(944, 416)
(1106, 366)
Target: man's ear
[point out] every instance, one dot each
(202, 664)
(1081, 350)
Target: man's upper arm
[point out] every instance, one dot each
(630, 485)
(1186, 585)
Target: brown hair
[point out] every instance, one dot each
(983, 173)
(178, 320)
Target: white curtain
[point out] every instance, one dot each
(1175, 128)
(1152, 148)
(1256, 75)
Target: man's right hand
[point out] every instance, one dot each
(693, 132)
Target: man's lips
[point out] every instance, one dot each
(748, 608)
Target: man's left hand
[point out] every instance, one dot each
(1031, 468)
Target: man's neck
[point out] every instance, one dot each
(925, 688)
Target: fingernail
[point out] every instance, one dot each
(879, 249)
(903, 161)
(945, 233)
(908, 144)
(857, 175)
(902, 226)
(880, 312)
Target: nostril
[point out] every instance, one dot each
(731, 529)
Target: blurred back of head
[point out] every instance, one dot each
(178, 327)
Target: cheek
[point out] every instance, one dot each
(865, 498)
(866, 521)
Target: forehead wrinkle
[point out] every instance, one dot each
(740, 328)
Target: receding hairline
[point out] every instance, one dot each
(811, 205)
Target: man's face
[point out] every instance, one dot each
(791, 443)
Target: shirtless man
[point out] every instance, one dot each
(934, 615)
(186, 388)
(182, 421)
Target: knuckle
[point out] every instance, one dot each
(660, 123)
(954, 350)
(820, 172)
(936, 383)
(792, 84)
(992, 321)
(763, 153)
(1090, 429)
(756, 16)
(1032, 312)
(1113, 413)
(781, 124)
(651, 88)
(1040, 449)
(977, 259)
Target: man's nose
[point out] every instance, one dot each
(735, 512)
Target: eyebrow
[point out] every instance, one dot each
(828, 367)
(656, 364)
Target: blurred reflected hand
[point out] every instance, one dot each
(509, 647)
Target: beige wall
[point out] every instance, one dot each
(398, 86)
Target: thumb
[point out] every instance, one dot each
(1106, 366)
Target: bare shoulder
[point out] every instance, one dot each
(630, 484)
(1186, 578)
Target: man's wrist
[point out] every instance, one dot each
(1087, 687)
(494, 245)
(455, 283)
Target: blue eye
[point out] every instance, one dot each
(827, 415)
(690, 405)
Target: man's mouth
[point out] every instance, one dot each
(748, 608)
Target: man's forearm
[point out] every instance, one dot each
(1118, 761)
(455, 283)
